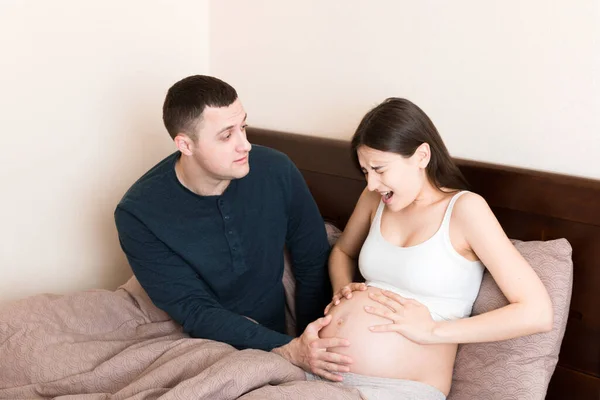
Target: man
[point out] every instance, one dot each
(204, 232)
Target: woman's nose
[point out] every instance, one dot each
(372, 182)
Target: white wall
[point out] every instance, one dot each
(81, 91)
(510, 82)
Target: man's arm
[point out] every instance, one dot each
(307, 242)
(174, 287)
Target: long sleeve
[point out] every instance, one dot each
(307, 241)
(177, 289)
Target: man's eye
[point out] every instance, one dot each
(244, 127)
(227, 136)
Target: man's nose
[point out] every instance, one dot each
(244, 145)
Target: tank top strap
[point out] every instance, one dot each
(446, 221)
(377, 219)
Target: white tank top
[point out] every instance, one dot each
(432, 272)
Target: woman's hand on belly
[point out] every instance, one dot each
(345, 292)
(405, 316)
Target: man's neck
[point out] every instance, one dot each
(195, 180)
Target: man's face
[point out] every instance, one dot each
(221, 149)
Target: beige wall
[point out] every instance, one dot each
(81, 90)
(510, 82)
(82, 84)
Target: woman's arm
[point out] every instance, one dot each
(530, 309)
(344, 255)
(341, 268)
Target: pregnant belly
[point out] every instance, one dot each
(386, 354)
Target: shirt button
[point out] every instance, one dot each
(227, 217)
(230, 232)
(233, 249)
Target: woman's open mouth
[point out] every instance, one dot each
(387, 196)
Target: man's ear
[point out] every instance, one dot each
(184, 144)
(423, 155)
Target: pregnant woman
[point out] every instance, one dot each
(421, 243)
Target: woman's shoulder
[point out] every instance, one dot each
(467, 199)
(470, 208)
(370, 197)
(369, 200)
(366, 207)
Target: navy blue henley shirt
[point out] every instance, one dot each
(208, 261)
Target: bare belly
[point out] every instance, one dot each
(387, 354)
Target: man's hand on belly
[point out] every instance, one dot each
(309, 352)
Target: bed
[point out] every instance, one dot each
(102, 344)
(530, 205)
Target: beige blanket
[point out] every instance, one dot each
(101, 344)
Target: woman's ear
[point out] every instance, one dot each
(184, 144)
(423, 155)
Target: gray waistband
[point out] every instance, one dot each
(374, 388)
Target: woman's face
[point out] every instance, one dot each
(398, 179)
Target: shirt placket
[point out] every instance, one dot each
(232, 235)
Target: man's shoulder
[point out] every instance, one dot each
(262, 155)
(152, 184)
(269, 164)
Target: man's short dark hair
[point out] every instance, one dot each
(187, 99)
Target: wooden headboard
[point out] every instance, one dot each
(530, 205)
